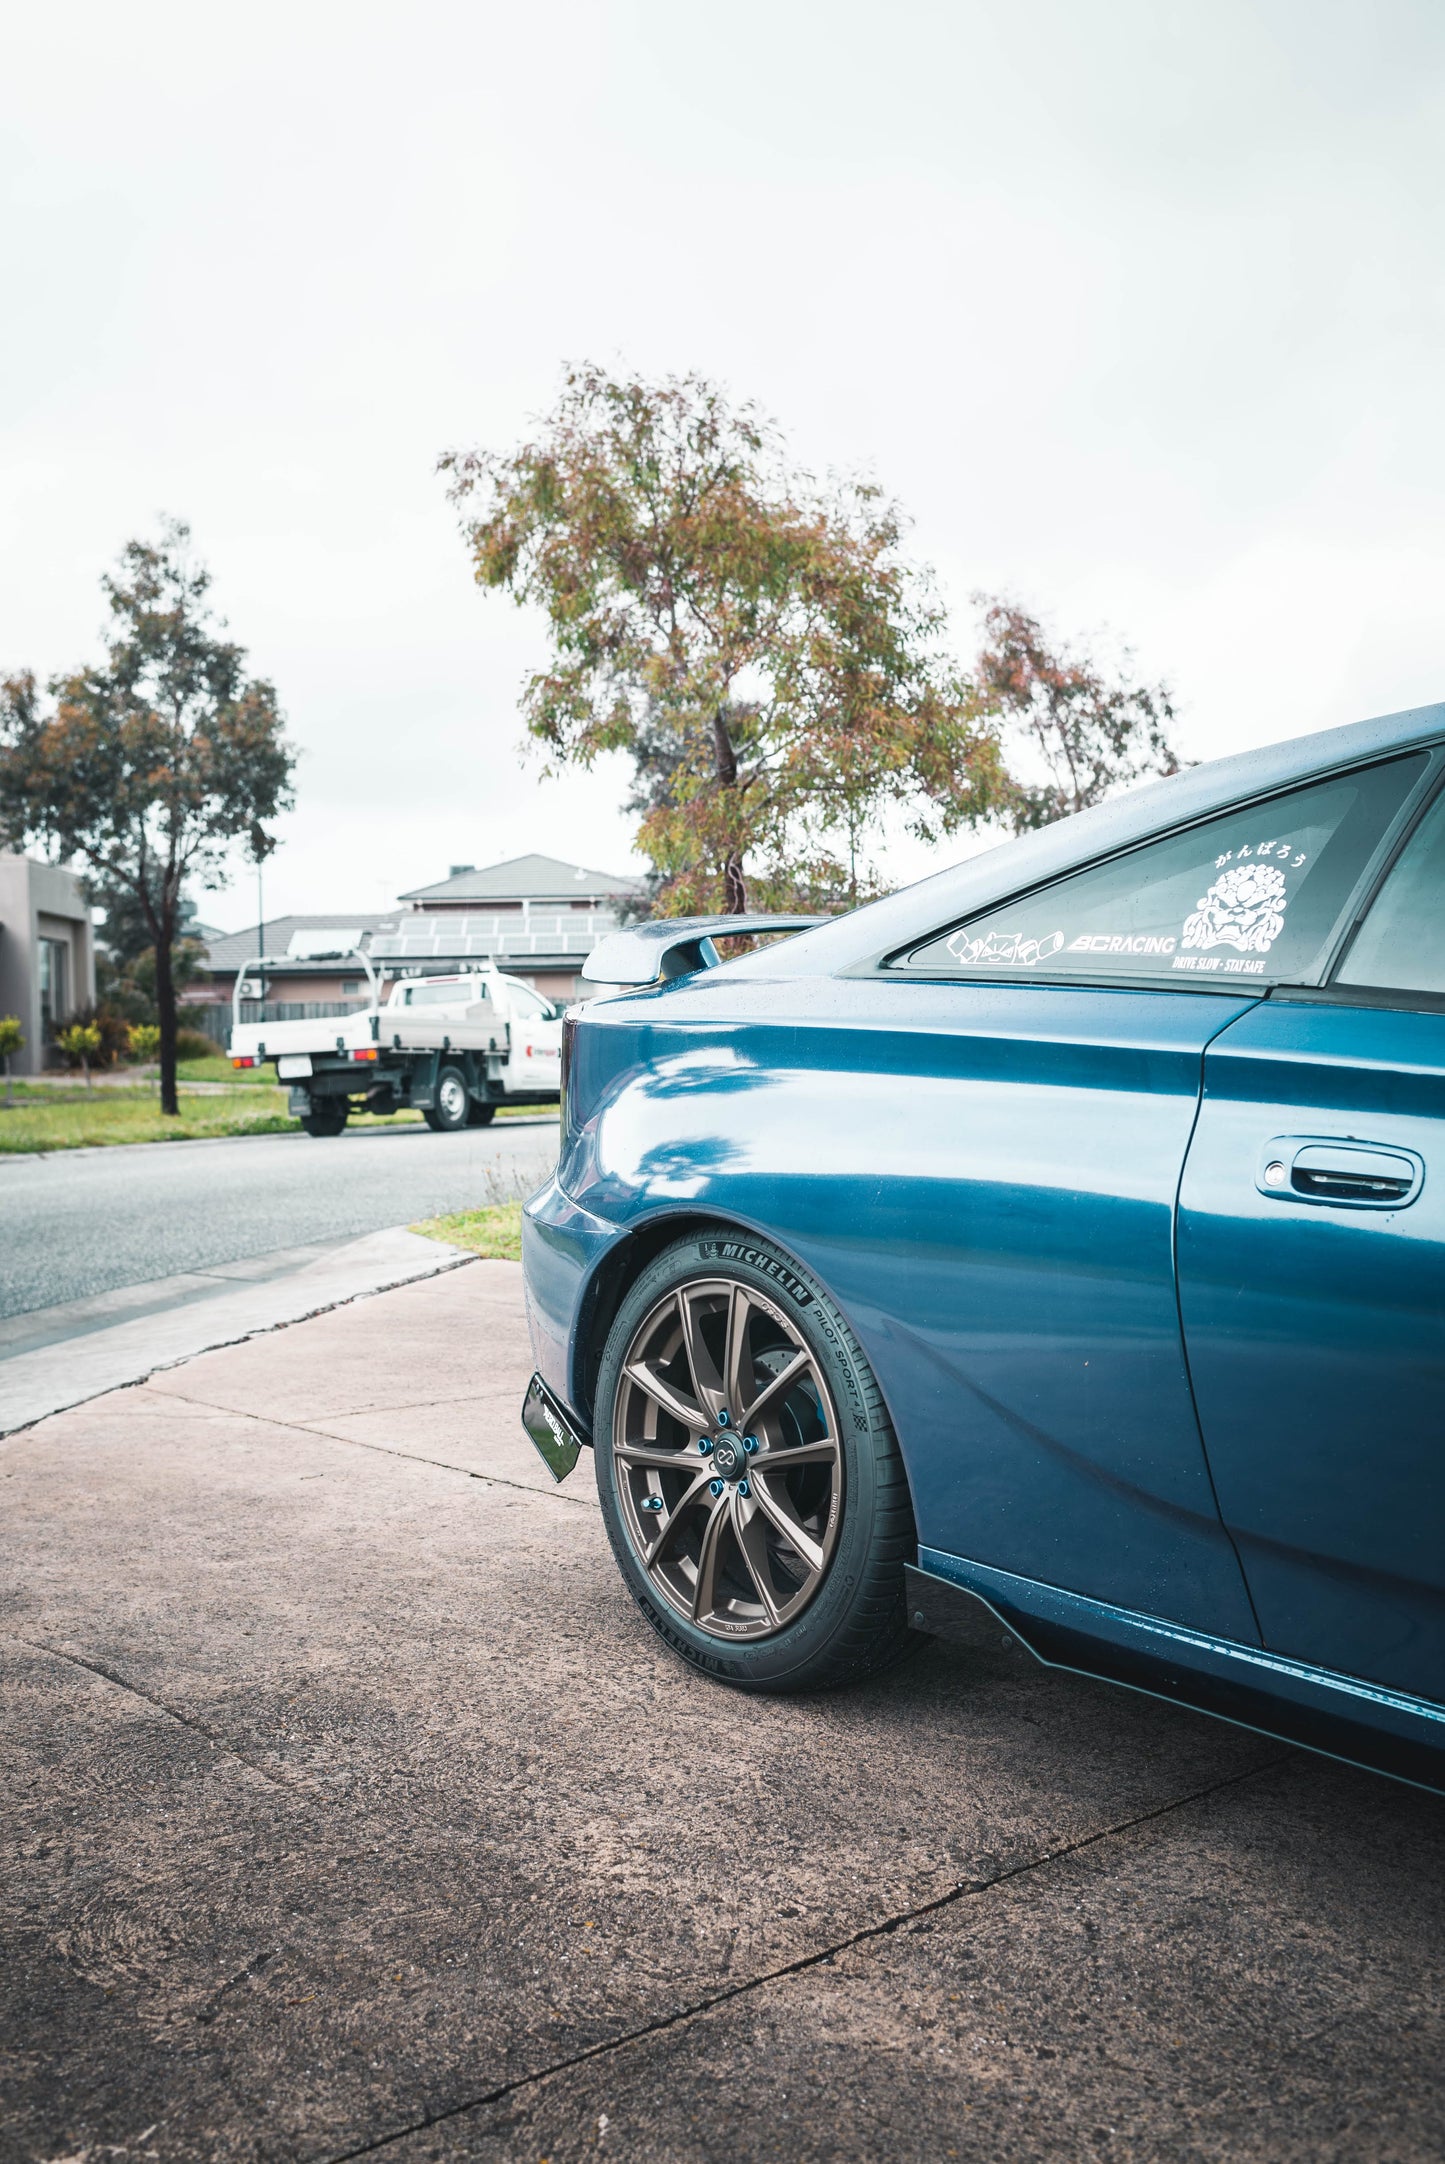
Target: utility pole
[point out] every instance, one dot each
(260, 930)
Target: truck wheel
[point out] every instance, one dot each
(453, 1104)
(326, 1117)
(481, 1115)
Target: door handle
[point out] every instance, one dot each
(1339, 1171)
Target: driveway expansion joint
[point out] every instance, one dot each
(406, 1457)
(966, 1889)
(186, 1720)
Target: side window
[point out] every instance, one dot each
(1400, 947)
(526, 1001)
(1255, 893)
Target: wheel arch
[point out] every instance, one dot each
(624, 1264)
(612, 1280)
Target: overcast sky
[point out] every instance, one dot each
(1136, 305)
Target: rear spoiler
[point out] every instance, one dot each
(668, 947)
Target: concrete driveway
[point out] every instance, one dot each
(352, 1811)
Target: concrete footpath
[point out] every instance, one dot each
(55, 1357)
(349, 1809)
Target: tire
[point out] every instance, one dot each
(481, 1115)
(723, 1581)
(451, 1111)
(326, 1117)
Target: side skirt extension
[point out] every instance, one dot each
(1342, 1716)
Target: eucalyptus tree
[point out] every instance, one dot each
(149, 767)
(758, 641)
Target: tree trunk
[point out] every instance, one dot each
(735, 893)
(166, 1016)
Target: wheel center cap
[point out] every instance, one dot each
(727, 1456)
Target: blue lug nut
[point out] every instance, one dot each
(722, 1418)
(705, 1445)
(652, 1502)
(750, 1444)
(744, 1487)
(715, 1487)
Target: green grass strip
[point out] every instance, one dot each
(495, 1233)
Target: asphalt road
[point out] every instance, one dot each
(348, 1808)
(81, 1222)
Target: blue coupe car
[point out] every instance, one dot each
(1059, 1242)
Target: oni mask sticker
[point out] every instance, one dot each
(1011, 950)
(1243, 909)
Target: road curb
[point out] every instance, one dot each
(55, 1378)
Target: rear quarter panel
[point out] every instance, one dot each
(984, 1180)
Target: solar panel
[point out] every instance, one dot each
(454, 936)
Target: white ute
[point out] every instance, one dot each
(454, 1048)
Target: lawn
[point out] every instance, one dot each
(215, 1098)
(47, 1118)
(495, 1233)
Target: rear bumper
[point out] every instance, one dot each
(563, 1249)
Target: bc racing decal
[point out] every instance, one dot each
(1122, 943)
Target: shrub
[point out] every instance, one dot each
(113, 1028)
(145, 1040)
(194, 1044)
(12, 1040)
(81, 1044)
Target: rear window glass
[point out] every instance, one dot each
(1400, 947)
(1255, 893)
(450, 992)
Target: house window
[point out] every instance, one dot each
(54, 986)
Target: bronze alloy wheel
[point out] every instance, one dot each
(726, 1459)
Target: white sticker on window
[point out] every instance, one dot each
(1122, 943)
(1011, 950)
(1243, 909)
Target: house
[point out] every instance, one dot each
(535, 916)
(47, 953)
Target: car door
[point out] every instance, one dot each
(1035, 1359)
(535, 1062)
(1312, 1289)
